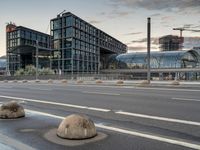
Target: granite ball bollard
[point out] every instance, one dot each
(144, 83)
(24, 81)
(37, 81)
(64, 81)
(119, 82)
(11, 110)
(5, 81)
(99, 81)
(175, 82)
(79, 82)
(76, 127)
(50, 81)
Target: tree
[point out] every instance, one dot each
(31, 70)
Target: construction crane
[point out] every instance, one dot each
(185, 29)
(181, 34)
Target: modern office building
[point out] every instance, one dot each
(171, 43)
(79, 46)
(21, 48)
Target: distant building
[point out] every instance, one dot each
(21, 47)
(79, 46)
(3, 65)
(171, 43)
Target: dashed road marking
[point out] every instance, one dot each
(159, 118)
(101, 93)
(186, 99)
(187, 122)
(55, 103)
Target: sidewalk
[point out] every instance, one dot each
(130, 83)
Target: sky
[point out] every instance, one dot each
(123, 19)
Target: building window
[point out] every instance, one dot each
(56, 44)
(56, 54)
(77, 44)
(68, 43)
(27, 35)
(57, 34)
(78, 23)
(69, 32)
(83, 36)
(56, 24)
(69, 21)
(77, 34)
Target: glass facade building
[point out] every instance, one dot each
(158, 60)
(3, 65)
(80, 47)
(21, 47)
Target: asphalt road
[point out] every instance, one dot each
(133, 118)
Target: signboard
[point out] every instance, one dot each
(10, 27)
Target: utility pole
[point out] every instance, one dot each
(148, 49)
(36, 57)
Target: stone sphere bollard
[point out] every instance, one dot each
(76, 127)
(79, 82)
(99, 81)
(120, 82)
(50, 81)
(175, 82)
(64, 81)
(11, 110)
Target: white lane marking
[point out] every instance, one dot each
(179, 142)
(168, 89)
(186, 99)
(159, 118)
(130, 87)
(40, 89)
(100, 93)
(98, 109)
(55, 103)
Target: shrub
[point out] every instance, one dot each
(31, 70)
(19, 72)
(46, 71)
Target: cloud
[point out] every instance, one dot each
(154, 40)
(140, 40)
(94, 22)
(188, 25)
(139, 48)
(115, 13)
(190, 42)
(140, 45)
(180, 5)
(156, 15)
(198, 26)
(167, 18)
(134, 33)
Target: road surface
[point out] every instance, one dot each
(139, 118)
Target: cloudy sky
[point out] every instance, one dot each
(123, 19)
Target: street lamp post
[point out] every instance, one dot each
(36, 57)
(148, 49)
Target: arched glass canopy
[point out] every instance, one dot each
(159, 60)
